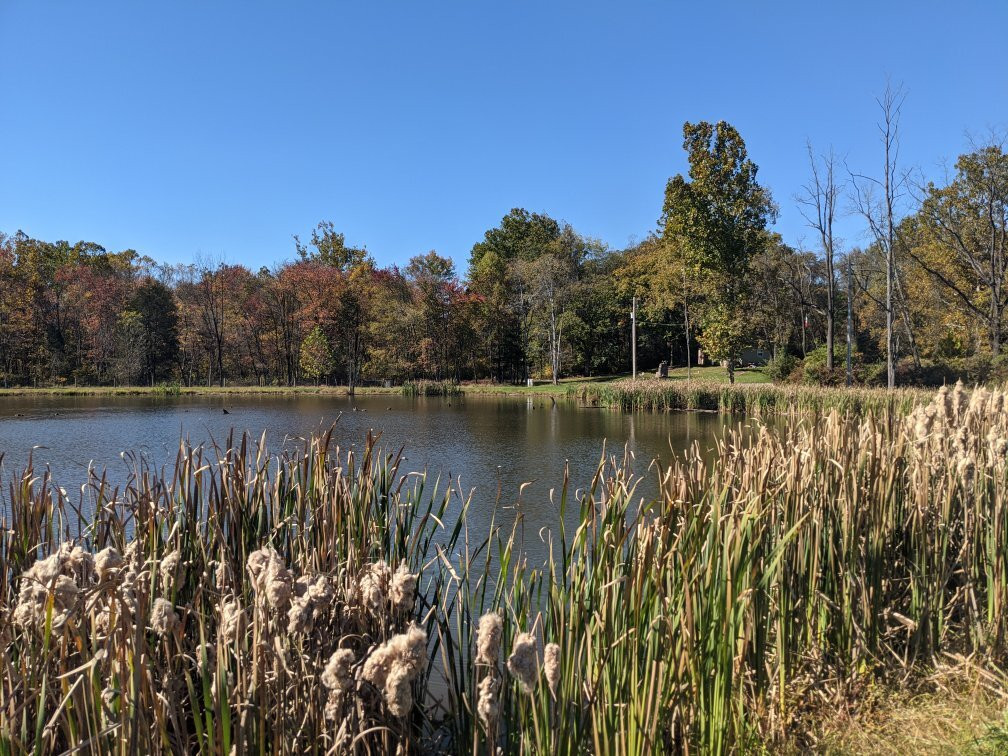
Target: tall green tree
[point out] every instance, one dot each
(316, 356)
(152, 329)
(718, 216)
(328, 246)
(499, 273)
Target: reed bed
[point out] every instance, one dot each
(431, 388)
(314, 601)
(757, 400)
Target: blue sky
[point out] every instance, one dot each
(190, 128)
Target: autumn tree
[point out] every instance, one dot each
(962, 244)
(435, 288)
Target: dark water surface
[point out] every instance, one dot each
(486, 444)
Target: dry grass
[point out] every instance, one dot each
(961, 715)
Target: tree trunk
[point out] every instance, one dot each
(850, 322)
(829, 312)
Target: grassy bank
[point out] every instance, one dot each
(315, 600)
(176, 390)
(756, 399)
(410, 388)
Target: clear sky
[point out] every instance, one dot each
(181, 128)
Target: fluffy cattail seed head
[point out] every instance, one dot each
(169, 564)
(163, 618)
(374, 585)
(394, 665)
(488, 638)
(270, 577)
(107, 562)
(551, 665)
(337, 675)
(402, 589)
(232, 619)
(488, 704)
(522, 663)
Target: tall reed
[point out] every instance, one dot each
(756, 400)
(431, 388)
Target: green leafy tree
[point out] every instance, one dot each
(718, 216)
(330, 248)
(499, 271)
(152, 324)
(316, 356)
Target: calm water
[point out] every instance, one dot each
(482, 444)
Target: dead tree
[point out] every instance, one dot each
(880, 212)
(817, 203)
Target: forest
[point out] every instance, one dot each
(922, 302)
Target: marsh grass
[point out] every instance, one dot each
(431, 388)
(757, 399)
(772, 583)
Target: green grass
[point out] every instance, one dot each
(193, 390)
(717, 374)
(703, 374)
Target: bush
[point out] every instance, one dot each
(973, 370)
(779, 368)
(813, 367)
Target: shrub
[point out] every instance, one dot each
(779, 368)
(814, 372)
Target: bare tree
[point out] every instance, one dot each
(817, 203)
(880, 212)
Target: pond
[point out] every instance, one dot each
(489, 445)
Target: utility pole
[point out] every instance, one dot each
(850, 321)
(633, 336)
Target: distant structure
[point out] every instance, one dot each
(754, 357)
(662, 370)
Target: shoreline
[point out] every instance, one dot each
(705, 377)
(29, 391)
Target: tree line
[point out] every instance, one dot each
(924, 297)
